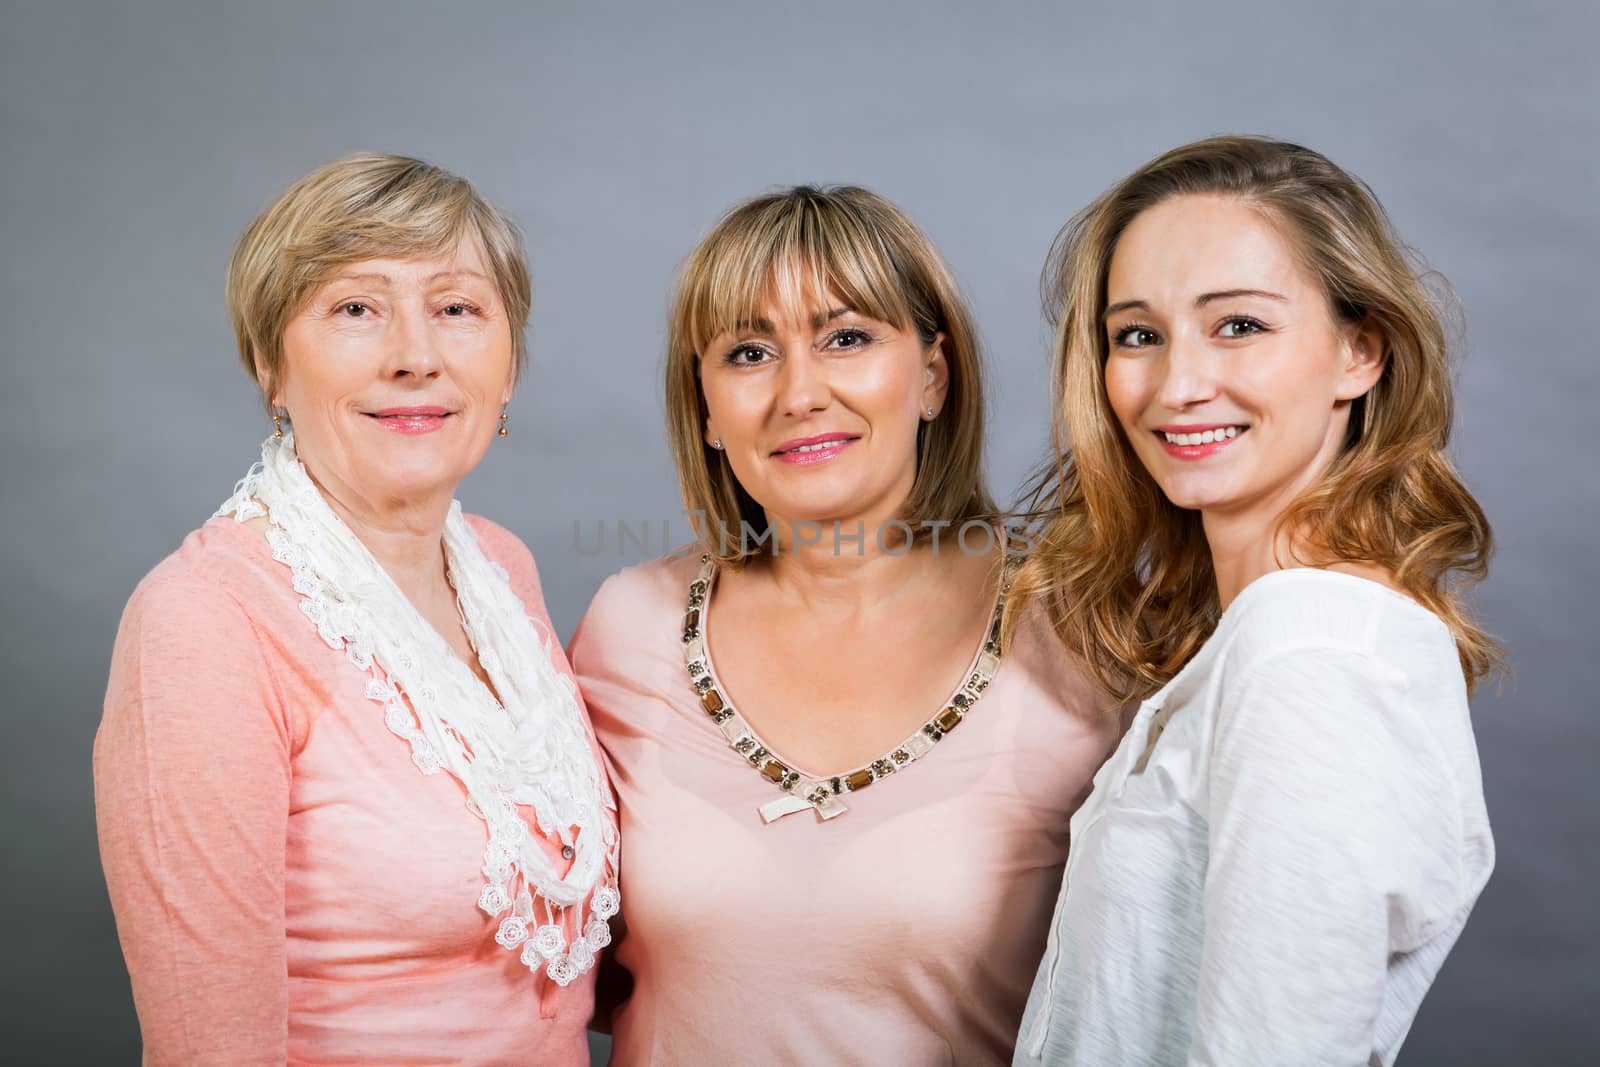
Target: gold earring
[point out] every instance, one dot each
(504, 415)
(277, 423)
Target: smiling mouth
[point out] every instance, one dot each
(816, 446)
(1202, 437)
(418, 420)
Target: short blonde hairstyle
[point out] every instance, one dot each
(361, 207)
(1126, 576)
(811, 242)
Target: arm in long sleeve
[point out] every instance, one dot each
(1331, 836)
(192, 773)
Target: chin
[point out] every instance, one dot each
(820, 510)
(1197, 494)
(417, 479)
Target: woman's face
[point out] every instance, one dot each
(1226, 368)
(817, 408)
(394, 374)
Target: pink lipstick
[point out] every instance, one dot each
(808, 451)
(411, 420)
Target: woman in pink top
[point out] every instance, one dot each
(844, 806)
(350, 809)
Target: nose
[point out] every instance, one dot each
(802, 386)
(413, 348)
(1189, 375)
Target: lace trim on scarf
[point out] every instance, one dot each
(533, 750)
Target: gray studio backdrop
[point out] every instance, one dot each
(137, 139)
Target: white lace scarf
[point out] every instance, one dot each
(529, 748)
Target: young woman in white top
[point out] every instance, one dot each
(1257, 530)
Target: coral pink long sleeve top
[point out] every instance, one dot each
(288, 887)
(905, 931)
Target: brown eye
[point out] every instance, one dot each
(353, 310)
(1240, 327)
(745, 356)
(1136, 337)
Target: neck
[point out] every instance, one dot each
(1243, 548)
(405, 536)
(820, 571)
(1248, 540)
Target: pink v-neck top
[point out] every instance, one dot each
(904, 931)
(288, 886)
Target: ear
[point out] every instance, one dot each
(937, 374)
(264, 380)
(1366, 354)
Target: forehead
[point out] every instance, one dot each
(797, 294)
(1193, 244)
(465, 257)
(799, 298)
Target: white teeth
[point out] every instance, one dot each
(1204, 437)
(815, 448)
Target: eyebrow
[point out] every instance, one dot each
(478, 275)
(1200, 301)
(361, 276)
(766, 326)
(378, 276)
(1229, 294)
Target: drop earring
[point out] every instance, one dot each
(277, 424)
(504, 417)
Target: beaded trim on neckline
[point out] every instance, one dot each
(823, 794)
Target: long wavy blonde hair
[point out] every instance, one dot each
(1125, 576)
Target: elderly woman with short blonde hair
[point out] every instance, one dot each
(349, 803)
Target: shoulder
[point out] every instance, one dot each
(1038, 654)
(503, 547)
(209, 620)
(1322, 662)
(217, 570)
(1309, 615)
(506, 550)
(639, 603)
(656, 588)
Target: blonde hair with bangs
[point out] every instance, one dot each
(1125, 576)
(361, 207)
(807, 243)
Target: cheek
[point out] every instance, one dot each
(319, 368)
(1296, 387)
(721, 400)
(489, 379)
(897, 379)
(482, 358)
(1126, 389)
(887, 391)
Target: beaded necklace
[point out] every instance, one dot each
(801, 790)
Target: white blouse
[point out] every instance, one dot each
(1279, 879)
